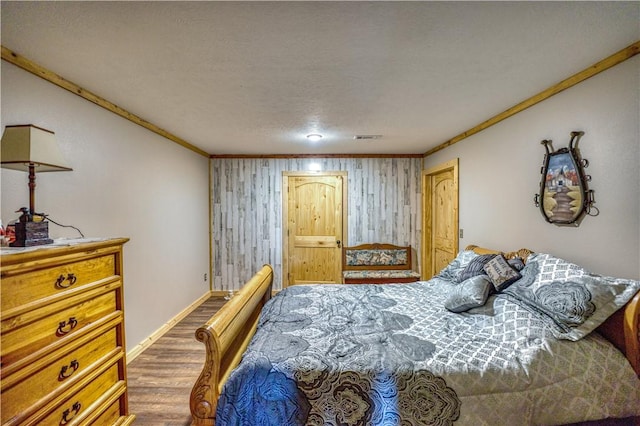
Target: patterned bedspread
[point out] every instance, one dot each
(393, 355)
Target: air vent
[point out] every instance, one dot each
(366, 137)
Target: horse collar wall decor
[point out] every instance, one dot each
(564, 197)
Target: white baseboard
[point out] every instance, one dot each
(140, 347)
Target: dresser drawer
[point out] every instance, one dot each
(110, 415)
(22, 288)
(30, 332)
(77, 407)
(113, 411)
(62, 358)
(23, 389)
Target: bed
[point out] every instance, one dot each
(426, 352)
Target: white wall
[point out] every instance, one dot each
(500, 173)
(126, 181)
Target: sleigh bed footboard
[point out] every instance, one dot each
(226, 336)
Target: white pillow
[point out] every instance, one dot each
(571, 299)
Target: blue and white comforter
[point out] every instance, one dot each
(393, 355)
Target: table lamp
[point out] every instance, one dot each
(29, 148)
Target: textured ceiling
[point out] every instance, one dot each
(257, 77)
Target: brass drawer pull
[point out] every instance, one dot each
(71, 277)
(68, 370)
(65, 327)
(65, 415)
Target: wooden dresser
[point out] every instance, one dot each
(63, 344)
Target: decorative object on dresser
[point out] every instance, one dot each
(27, 148)
(564, 196)
(63, 336)
(377, 264)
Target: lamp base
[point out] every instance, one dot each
(30, 234)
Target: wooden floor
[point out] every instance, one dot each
(161, 378)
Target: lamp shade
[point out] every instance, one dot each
(26, 145)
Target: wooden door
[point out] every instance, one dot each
(313, 228)
(440, 217)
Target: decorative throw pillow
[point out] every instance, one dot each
(470, 293)
(475, 267)
(501, 273)
(516, 263)
(453, 269)
(572, 300)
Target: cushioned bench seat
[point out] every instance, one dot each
(381, 276)
(377, 264)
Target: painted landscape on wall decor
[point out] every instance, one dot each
(562, 192)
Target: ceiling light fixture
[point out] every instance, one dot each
(315, 167)
(314, 137)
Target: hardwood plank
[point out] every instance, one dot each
(247, 204)
(161, 377)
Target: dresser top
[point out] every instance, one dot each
(58, 247)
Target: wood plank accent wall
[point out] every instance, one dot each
(383, 205)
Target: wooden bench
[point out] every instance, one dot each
(377, 264)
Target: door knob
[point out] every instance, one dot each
(338, 243)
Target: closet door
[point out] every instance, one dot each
(440, 220)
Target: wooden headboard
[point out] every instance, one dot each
(622, 328)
